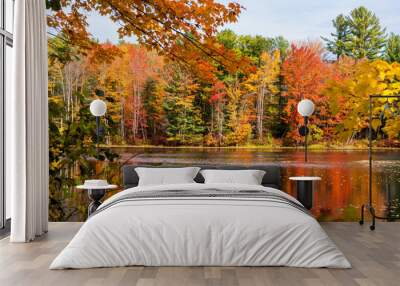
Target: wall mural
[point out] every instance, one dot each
(231, 96)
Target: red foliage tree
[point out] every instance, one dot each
(217, 101)
(304, 75)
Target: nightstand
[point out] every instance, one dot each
(96, 190)
(305, 190)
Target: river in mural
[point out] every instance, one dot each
(338, 196)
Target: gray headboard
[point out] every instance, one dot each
(272, 177)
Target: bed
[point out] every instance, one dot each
(197, 224)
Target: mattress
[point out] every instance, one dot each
(201, 225)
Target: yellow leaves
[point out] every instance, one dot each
(251, 83)
(376, 123)
(381, 67)
(376, 77)
(55, 165)
(381, 75)
(395, 87)
(266, 76)
(350, 97)
(396, 71)
(56, 100)
(392, 128)
(239, 135)
(381, 87)
(87, 141)
(387, 92)
(383, 71)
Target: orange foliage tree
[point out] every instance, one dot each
(129, 75)
(264, 82)
(304, 74)
(181, 30)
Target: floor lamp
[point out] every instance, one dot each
(368, 205)
(98, 108)
(306, 109)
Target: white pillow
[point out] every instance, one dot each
(166, 176)
(248, 177)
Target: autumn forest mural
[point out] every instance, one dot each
(234, 91)
(188, 81)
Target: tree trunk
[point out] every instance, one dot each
(135, 112)
(260, 112)
(123, 119)
(220, 122)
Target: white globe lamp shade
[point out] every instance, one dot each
(306, 107)
(98, 107)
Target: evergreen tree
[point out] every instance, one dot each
(281, 44)
(393, 48)
(338, 45)
(358, 35)
(184, 122)
(153, 96)
(367, 38)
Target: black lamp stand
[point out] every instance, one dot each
(368, 206)
(303, 131)
(97, 135)
(305, 138)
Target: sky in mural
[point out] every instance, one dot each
(295, 20)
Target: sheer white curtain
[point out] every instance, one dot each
(27, 124)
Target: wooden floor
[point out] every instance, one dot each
(375, 257)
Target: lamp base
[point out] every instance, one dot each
(95, 196)
(371, 210)
(305, 193)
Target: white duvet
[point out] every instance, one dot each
(202, 232)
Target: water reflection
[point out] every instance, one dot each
(339, 195)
